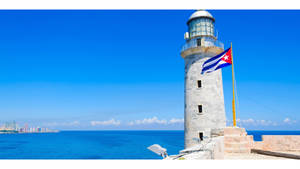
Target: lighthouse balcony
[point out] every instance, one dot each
(201, 42)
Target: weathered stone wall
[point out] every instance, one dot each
(236, 140)
(278, 143)
(210, 96)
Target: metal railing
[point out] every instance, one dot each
(205, 41)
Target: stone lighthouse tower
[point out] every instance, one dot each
(204, 112)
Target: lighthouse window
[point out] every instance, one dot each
(200, 108)
(198, 42)
(199, 83)
(201, 136)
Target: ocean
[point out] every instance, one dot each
(98, 144)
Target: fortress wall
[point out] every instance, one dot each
(236, 140)
(278, 143)
(258, 145)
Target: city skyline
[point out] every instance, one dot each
(91, 70)
(13, 127)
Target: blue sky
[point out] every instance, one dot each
(122, 69)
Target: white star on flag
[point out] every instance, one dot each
(226, 57)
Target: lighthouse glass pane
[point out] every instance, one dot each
(201, 26)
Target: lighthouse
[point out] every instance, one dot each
(204, 112)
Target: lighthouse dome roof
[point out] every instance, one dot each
(201, 14)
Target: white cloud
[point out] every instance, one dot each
(155, 120)
(248, 121)
(131, 123)
(72, 123)
(289, 121)
(286, 120)
(51, 124)
(173, 120)
(106, 123)
(264, 122)
(152, 120)
(252, 122)
(245, 121)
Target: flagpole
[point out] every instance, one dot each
(233, 99)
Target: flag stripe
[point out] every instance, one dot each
(210, 66)
(216, 66)
(212, 62)
(223, 65)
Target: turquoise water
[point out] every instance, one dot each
(98, 144)
(89, 144)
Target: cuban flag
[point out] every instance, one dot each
(217, 62)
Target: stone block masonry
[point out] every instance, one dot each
(278, 143)
(236, 140)
(209, 96)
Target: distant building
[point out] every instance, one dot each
(38, 129)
